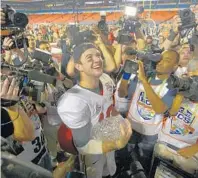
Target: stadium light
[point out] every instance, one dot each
(130, 11)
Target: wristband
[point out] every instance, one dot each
(126, 76)
(172, 35)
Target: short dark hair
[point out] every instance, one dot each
(177, 54)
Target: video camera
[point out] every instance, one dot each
(187, 18)
(102, 25)
(14, 27)
(13, 18)
(188, 86)
(129, 24)
(78, 37)
(83, 37)
(34, 76)
(149, 60)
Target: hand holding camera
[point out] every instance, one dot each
(2, 17)
(99, 40)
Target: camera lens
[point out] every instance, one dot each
(186, 13)
(20, 20)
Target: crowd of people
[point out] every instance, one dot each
(94, 84)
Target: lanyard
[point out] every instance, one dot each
(161, 85)
(186, 107)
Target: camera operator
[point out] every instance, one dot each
(173, 39)
(146, 100)
(81, 114)
(12, 56)
(179, 135)
(31, 150)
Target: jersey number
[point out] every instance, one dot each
(38, 142)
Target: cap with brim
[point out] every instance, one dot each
(80, 49)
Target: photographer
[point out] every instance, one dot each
(173, 39)
(178, 138)
(31, 150)
(146, 100)
(12, 56)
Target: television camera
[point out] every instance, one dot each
(32, 77)
(102, 25)
(187, 19)
(187, 86)
(14, 27)
(129, 24)
(149, 60)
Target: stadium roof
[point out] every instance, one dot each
(36, 6)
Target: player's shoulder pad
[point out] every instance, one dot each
(105, 78)
(73, 100)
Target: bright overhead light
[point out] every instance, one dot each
(102, 13)
(94, 2)
(130, 11)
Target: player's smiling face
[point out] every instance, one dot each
(91, 63)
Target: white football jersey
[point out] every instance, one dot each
(86, 106)
(181, 130)
(32, 151)
(80, 106)
(144, 119)
(36, 149)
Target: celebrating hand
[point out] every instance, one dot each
(2, 18)
(126, 132)
(98, 40)
(9, 89)
(7, 43)
(96, 30)
(176, 23)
